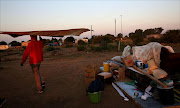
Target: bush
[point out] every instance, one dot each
(81, 42)
(122, 45)
(69, 39)
(142, 43)
(3, 43)
(50, 48)
(98, 39)
(24, 47)
(15, 43)
(104, 45)
(171, 36)
(152, 39)
(95, 48)
(81, 48)
(68, 45)
(112, 47)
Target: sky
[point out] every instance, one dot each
(32, 15)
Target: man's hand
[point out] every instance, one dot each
(21, 64)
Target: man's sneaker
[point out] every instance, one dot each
(43, 85)
(39, 92)
(2, 100)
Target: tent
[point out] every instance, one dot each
(54, 33)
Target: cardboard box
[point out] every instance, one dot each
(121, 74)
(128, 61)
(88, 80)
(91, 70)
(90, 74)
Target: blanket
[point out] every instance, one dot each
(150, 51)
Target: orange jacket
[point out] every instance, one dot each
(34, 50)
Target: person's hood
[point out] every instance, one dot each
(33, 38)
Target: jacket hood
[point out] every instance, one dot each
(33, 38)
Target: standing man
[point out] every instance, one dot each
(35, 52)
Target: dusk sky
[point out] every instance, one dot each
(32, 15)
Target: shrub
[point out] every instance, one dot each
(69, 39)
(142, 43)
(152, 39)
(68, 45)
(81, 48)
(171, 36)
(122, 45)
(3, 43)
(81, 42)
(50, 48)
(95, 48)
(15, 43)
(112, 47)
(98, 39)
(24, 47)
(104, 45)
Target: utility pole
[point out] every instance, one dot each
(91, 31)
(121, 26)
(122, 36)
(115, 27)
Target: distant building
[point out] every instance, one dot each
(85, 40)
(157, 36)
(25, 43)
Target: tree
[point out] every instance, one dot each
(171, 36)
(60, 40)
(109, 38)
(46, 41)
(102, 39)
(53, 40)
(148, 32)
(81, 42)
(139, 31)
(119, 35)
(3, 43)
(69, 39)
(136, 37)
(158, 30)
(139, 36)
(96, 39)
(126, 36)
(152, 31)
(15, 43)
(131, 35)
(91, 39)
(109, 35)
(85, 38)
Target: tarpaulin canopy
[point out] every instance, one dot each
(54, 33)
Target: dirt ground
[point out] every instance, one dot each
(63, 71)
